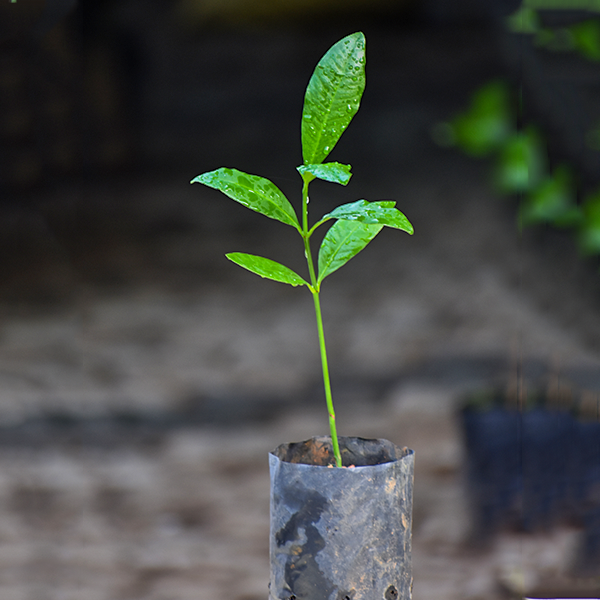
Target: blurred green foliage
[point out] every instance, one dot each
(486, 125)
(582, 37)
(579, 5)
(588, 233)
(586, 38)
(521, 162)
(524, 20)
(488, 128)
(553, 201)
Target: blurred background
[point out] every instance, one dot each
(144, 378)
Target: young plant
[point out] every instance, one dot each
(331, 100)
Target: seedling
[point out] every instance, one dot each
(331, 100)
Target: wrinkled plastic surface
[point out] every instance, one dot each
(341, 533)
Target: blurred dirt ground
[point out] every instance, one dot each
(144, 378)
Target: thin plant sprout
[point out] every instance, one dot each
(331, 100)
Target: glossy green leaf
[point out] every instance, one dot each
(267, 268)
(254, 192)
(332, 97)
(372, 213)
(334, 172)
(344, 240)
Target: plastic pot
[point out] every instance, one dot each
(520, 466)
(341, 533)
(493, 465)
(546, 447)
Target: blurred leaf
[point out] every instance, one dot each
(524, 20)
(588, 239)
(521, 165)
(557, 40)
(267, 268)
(583, 37)
(588, 236)
(256, 193)
(334, 172)
(553, 201)
(487, 123)
(372, 213)
(344, 240)
(590, 5)
(332, 97)
(586, 36)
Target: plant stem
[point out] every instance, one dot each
(328, 397)
(305, 182)
(314, 288)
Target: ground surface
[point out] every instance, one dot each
(144, 378)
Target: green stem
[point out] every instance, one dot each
(328, 397)
(314, 288)
(305, 183)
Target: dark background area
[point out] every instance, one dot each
(115, 84)
(136, 91)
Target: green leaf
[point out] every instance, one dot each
(553, 201)
(332, 97)
(344, 240)
(488, 122)
(524, 20)
(588, 240)
(254, 192)
(521, 165)
(334, 172)
(588, 236)
(586, 37)
(372, 213)
(267, 268)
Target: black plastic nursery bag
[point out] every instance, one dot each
(341, 533)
